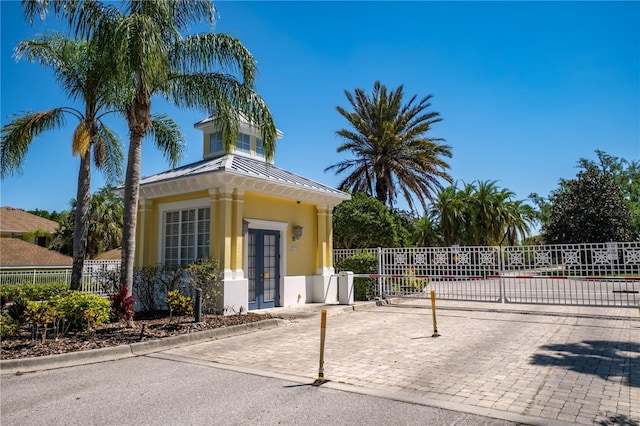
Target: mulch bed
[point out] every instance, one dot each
(150, 326)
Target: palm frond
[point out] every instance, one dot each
(230, 99)
(112, 163)
(186, 12)
(168, 138)
(18, 134)
(219, 52)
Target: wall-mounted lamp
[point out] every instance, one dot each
(297, 232)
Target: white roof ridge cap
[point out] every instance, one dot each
(228, 162)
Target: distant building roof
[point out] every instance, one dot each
(115, 254)
(20, 222)
(16, 252)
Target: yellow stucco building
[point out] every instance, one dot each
(269, 229)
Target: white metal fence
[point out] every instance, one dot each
(601, 274)
(99, 276)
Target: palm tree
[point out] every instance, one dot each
(518, 220)
(481, 213)
(426, 232)
(156, 56)
(105, 224)
(450, 205)
(391, 149)
(82, 71)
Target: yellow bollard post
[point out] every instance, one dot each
(323, 328)
(433, 312)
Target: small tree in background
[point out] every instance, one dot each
(588, 209)
(627, 175)
(104, 226)
(364, 222)
(361, 263)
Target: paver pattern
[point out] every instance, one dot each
(573, 364)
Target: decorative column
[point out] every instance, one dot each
(237, 245)
(221, 239)
(330, 239)
(322, 258)
(143, 246)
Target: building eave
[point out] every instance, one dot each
(243, 174)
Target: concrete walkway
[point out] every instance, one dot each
(525, 363)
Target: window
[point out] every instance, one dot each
(215, 142)
(243, 143)
(186, 235)
(259, 147)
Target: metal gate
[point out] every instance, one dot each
(599, 274)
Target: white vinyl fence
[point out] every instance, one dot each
(99, 277)
(602, 274)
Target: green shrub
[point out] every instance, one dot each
(205, 274)
(152, 283)
(179, 304)
(81, 311)
(361, 263)
(16, 309)
(40, 315)
(144, 286)
(30, 291)
(8, 326)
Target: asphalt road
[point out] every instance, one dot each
(152, 391)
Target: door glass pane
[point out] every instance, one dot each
(269, 268)
(251, 267)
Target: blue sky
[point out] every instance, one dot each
(525, 89)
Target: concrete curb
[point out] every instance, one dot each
(49, 362)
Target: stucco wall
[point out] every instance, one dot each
(301, 255)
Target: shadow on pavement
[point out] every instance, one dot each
(618, 420)
(605, 359)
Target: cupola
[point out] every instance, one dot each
(248, 143)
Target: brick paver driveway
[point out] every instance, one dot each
(573, 364)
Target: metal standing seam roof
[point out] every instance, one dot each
(243, 166)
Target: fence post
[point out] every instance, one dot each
(503, 296)
(379, 250)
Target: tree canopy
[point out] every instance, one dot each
(365, 222)
(588, 209)
(481, 213)
(392, 150)
(79, 68)
(155, 55)
(104, 227)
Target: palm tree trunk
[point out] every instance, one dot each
(81, 230)
(131, 191)
(138, 119)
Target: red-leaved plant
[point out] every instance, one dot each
(122, 305)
